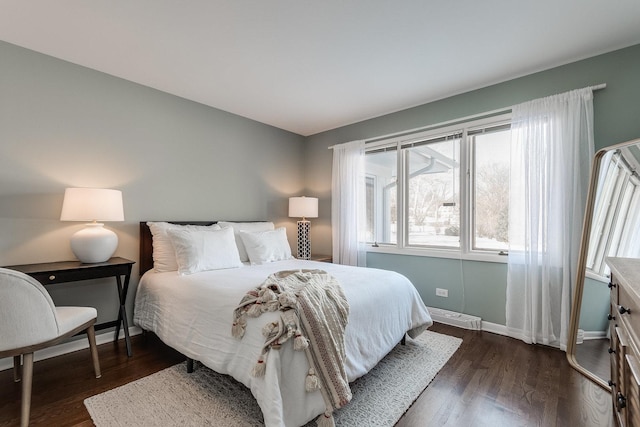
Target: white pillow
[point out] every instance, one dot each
(266, 246)
(198, 250)
(164, 256)
(245, 226)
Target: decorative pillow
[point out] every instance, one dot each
(266, 246)
(198, 250)
(245, 226)
(164, 256)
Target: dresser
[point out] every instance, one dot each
(624, 323)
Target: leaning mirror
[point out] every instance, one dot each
(611, 228)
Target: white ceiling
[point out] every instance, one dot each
(309, 66)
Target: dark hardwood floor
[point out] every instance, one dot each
(494, 381)
(491, 381)
(61, 384)
(593, 355)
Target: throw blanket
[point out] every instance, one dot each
(314, 313)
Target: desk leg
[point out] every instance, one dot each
(122, 313)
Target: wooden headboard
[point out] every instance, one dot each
(146, 246)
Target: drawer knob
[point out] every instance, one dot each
(622, 401)
(52, 277)
(611, 350)
(611, 383)
(610, 317)
(611, 285)
(624, 310)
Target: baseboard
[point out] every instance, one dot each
(453, 318)
(70, 346)
(582, 335)
(495, 328)
(595, 335)
(466, 321)
(590, 335)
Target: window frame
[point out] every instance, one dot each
(465, 179)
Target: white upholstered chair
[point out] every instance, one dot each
(29, 321)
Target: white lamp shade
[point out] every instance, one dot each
(92, 204)
(94, 243)
(303, 207)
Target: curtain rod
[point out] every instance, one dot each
(462, 119)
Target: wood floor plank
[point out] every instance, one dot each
(490, 381)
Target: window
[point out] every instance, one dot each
(444, 190)
(432, 206)
(615, 228)
(490, 188)
(382, 191)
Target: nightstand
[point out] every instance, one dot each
(52, 273)
(322, 258)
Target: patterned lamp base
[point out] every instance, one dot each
(304, 245)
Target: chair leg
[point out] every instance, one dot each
(27, 378)
(91, 335)
(17, 365)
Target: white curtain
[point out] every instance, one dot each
(347, 203)
(552, 146)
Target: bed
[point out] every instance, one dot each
(193, 314)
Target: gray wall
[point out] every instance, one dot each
(478, 288)
(595, 306)
(62, 125)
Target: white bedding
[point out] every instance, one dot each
(193, 314)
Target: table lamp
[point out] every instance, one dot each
(303, 207)
(94, 243)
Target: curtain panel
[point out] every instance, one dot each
(552, 145)
(347, 203)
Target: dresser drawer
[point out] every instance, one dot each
(80, 272)
(628, 312)
(50, 278)
(620, 346)
(632, 390)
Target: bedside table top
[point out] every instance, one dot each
(321, 258)
(69, 266)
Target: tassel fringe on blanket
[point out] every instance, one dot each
(314, 314)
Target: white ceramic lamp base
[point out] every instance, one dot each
(94, 243)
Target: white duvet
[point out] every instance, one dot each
(193, 314)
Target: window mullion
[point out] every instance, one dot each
(401, 231)
(466, 229)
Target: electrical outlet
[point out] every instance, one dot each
(442, 292)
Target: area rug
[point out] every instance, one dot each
(205, 398)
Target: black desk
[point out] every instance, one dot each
(52, 273)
